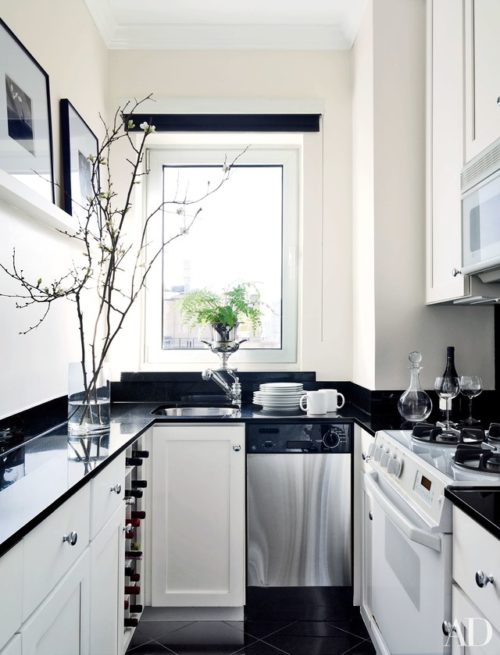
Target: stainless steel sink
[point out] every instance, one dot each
(198, 412)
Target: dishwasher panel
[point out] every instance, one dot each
(299, 519)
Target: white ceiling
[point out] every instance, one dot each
(228, 24)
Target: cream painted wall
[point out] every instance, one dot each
(395, 60)
(63, 39)
(248, 78)
(363, 216)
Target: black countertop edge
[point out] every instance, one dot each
(17, 536)
(482, 504)
(124, 411)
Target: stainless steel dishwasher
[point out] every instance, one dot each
(299, 504)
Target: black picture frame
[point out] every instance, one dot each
(78, 142)
(25, 116)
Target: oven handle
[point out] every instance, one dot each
(413, 532)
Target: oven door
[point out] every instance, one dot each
(409, 569)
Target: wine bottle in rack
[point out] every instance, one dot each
(131, 622)
(136, 523)
(139, 484)
(133, 493)
(137, 514)
(142, 454)
(132, 590)
(133, 461)
(136, 609)
(133, 554)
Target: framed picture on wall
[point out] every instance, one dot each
(25, 122)
(78, 143)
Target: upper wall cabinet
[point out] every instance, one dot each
(482, 79)
(444, 150)
(446, 124)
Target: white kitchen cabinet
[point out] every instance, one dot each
(475, 550)
(107, 555)
(53, 546)
(482, 81)
(60, 626)
(362, 441)
(106, 494)
(198, 515)
(11, 603)
(14, 647)
(445, 158)
(472, 633)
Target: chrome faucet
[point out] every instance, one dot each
(232, 389)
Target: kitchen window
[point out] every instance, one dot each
(246, 232)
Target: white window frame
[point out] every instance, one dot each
(289, 155)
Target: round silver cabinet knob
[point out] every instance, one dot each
(447, 628)
(71, 538)
(482, 579)
(456, 271)
(116, 488)
(237, 448)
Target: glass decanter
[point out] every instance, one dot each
(415, 404)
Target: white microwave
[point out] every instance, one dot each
(480, 181)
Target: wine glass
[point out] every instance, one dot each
(447, 388)
(471, 386)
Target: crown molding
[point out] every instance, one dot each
(226, 37)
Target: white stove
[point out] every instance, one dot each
(408, 531)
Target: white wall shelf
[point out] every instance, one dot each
(20, 196)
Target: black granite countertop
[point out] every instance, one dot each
(480, 503)
(38, 476)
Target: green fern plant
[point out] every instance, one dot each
(226, 310)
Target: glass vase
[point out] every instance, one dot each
(88, 406)
(415, 404)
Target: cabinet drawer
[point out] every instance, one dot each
(11, 606)
(106, 494)
(476, 550)
(47, 555)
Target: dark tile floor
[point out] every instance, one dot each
(306, 621)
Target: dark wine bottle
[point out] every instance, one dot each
(133, 493)
(133, 461)
(450, 371)
(125, 604)
(143, 454)
(134, 577)
(139, 484)
(129, 571)
(135, 523)
(131, 622)
(132, 590)
(138, 514)
(133, 554)
(136, 609)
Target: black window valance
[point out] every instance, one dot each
(229, 122)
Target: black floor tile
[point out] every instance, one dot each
(353, 625)
(149, 648)
(260, 648)
(295, 645)
(208, 637)
(312, 629)
(158, 629)
(364, 648)
(262, 629)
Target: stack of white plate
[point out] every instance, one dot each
(279, 396)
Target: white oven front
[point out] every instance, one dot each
(406, 575)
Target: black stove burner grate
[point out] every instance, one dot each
(433, 434)
(475, 458)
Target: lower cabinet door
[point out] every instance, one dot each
(472, 633)
(107, 554)
(60, 626)
(13, 647)
(198, 505)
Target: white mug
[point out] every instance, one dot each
(332, 399)
(315, 403)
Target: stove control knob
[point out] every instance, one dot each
(371, 450)
(395, 466)
(385, 458)
(378, 453)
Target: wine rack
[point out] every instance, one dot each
(136, 484)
